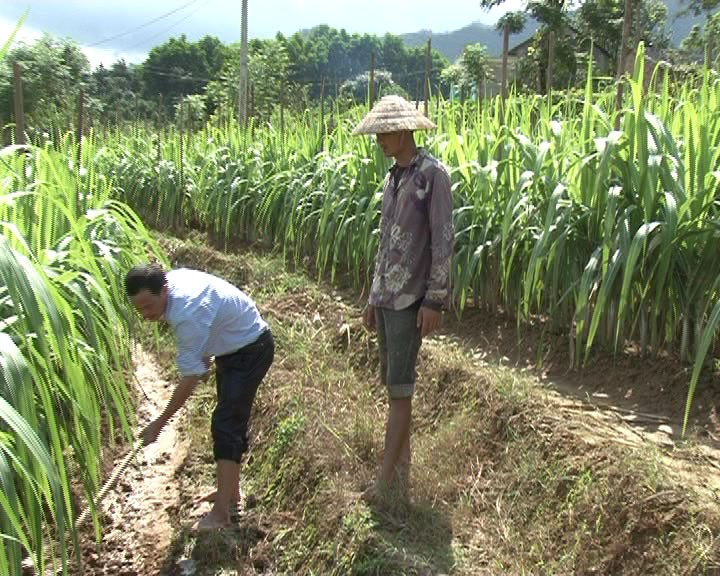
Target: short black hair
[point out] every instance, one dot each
(145, 277)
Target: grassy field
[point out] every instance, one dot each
(507, 478)
(64, 345)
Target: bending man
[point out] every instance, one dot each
(210, 318)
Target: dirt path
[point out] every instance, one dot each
(647, 392)
(693, 465)
(138, 513)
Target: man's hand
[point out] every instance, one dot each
(151, 432)
(428, 320)
(369, 317)
(181, 393)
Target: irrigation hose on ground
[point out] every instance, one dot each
(28, 565)
(109, 484)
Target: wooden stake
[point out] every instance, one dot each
(372, 79)
(80, 125)
(428, 60)
(19, 110)
(550, 63)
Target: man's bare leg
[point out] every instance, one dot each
(397, 440)
(403, 468)
(228, 479)
(210, 495)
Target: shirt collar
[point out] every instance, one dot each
(170, 297)
(414, 162)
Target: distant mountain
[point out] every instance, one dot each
(680, 26)
(451, 44)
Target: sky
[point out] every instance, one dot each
(110, 30)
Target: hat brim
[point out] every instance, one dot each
(393, 114)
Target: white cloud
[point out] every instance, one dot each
(95, 55)
(107, 57)
(24, 34)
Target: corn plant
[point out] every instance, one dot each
(64, 348)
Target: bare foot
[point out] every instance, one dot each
(380, 492)
(214, 520)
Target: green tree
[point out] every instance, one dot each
(456, 82)
(178, 68)
(190, 112)
(702, 41)
(698, 7)
(515, 22)
(508, 24)
(395, 55)
(214, 53)
(338, 56)
(268, 67)
(334, 56)
(553, 18)
(416, 58)
(270, 78)
(299, 65)
(475, 66)
(118, 92)
(53, 72)
(356, 89)
(602, 21)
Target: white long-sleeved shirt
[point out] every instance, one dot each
(210, 317)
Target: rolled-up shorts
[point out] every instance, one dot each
(399, 343)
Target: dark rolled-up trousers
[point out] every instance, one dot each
(238, 376)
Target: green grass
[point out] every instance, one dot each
(606, 236)
(504, 481)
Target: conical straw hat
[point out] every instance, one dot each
(392, 114)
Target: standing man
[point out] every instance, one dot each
(411, 284)
(210, 318)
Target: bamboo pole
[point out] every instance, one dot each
(322, 111)
(428, 60)
(621, 60)
(506, 48)
(243, 81)
(80, 126)
(282, 118)
(551, 63)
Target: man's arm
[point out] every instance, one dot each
(442, 237)
(368, 314)
(182, 392)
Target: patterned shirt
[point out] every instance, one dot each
(416, 237)
(210, 317)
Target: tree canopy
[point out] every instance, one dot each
(296, 69)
